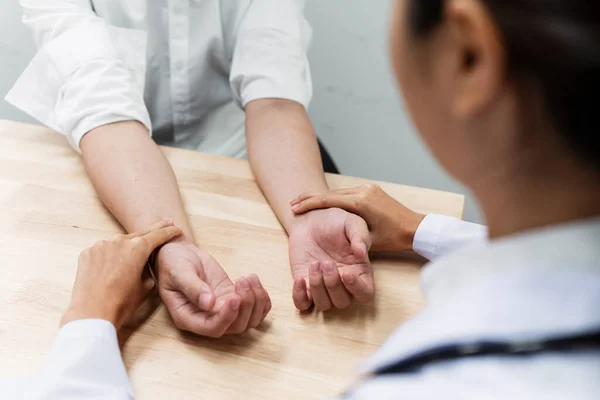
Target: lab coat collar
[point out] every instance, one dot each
(530, 285)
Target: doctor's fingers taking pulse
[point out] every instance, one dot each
(392, 225)
(110, 281)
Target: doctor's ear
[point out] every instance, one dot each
(476, 58)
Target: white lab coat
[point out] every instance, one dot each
(185, 69)
(532, 285)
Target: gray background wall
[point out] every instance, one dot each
(356, 109)
(16, 49)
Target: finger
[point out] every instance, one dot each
(362, 287)
(139, 296)
(155, 226)
(243, 289)
(358, 234)
(317, 287)
(328, 200)
(195, 289)
(161, 236)
(309, 195)
(215, 324)
(300, 295)
(338, 294)
(268, 306)
(260, 298)
(149, 286)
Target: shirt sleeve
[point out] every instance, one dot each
(269, 58)
(438, 235)
(79, 80)
(84, 363)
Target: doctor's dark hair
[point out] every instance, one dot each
(555, 42)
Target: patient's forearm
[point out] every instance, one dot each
(283, 153)
(132, 176)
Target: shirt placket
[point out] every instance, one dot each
(179, 63)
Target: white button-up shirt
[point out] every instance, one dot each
(185, 69)
(528, 286)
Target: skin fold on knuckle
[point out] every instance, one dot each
(247, 300)
(342, 304)
(369, 188)
(317, 284)
(333, 282)
(218, 332)
(323, 307)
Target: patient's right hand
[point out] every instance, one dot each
(200, 296)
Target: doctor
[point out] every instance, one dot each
(515, 317)
(219, 76)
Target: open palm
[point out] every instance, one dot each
(329, 260)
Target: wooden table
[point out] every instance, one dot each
(49, 213)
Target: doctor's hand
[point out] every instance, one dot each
(200, 296)
(329, 258)
(392, 225)
(109, 284)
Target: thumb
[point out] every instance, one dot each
(358, 234)
(195, 289)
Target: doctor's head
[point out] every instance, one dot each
(498, 84)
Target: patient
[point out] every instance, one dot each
(502, 93)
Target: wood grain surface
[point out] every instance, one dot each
(50, 213)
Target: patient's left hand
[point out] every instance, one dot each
(330, 260)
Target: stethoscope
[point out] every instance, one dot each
(583, 341)
(457, 351)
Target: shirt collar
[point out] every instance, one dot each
(533, 284)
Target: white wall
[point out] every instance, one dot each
(356, 109)
(16, 49)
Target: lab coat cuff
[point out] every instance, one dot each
(85, 359)
(428, 235)
(88, 327)
(439, 235)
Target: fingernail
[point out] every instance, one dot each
(350, 279)
(205, 300)
(328, 268)
(365, 249)
(256, 281)
(292, 202)
(245, 284)
(314, 268)
(295, 207)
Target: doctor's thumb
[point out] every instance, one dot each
(358, 233)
